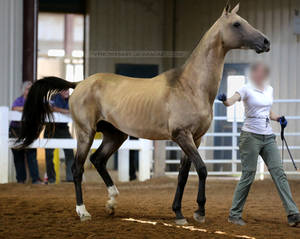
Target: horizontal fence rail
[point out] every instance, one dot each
(234, 161)
(145, 147)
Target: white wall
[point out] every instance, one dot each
(11, 37)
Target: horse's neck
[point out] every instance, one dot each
(202, 72)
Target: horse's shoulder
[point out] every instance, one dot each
(172, 76)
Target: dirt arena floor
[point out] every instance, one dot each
(48, 211)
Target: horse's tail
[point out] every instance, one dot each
(37, 108)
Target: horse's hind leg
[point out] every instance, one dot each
(112, 140)
(84, 142)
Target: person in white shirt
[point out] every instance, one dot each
(256, 139)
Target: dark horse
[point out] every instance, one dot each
(175, 105)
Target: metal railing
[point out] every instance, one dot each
(234, 161)
(145, 147)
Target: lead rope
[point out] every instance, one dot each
(287, 147)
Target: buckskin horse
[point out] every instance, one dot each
(175, 105)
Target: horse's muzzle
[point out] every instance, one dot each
(264, 47)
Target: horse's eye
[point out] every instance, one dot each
(236, 24)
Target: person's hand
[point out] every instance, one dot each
(222, 97)
(282, 121)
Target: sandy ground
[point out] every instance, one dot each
(48, 211)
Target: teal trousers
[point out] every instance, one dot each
(251, 146)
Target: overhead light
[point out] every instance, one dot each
(56, 52)
(77, 53)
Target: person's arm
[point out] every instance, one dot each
(60, 110)
(229, 101)
(274, 116)
(280, 119)
(18, 104)
(17, 108)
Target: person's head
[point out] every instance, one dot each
(65, 94)
(26, 87)
(237, 33)
(259, 73)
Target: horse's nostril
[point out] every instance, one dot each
(266, 41)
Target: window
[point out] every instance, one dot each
(235, 82)
(60, 42)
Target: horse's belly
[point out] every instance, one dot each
(148, 133)
(146, 124)
(146, 129)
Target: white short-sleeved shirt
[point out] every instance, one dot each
(257, 109)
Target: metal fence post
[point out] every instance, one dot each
(159, 153)
(261, 168)
(4, 149)
(145, 159)
(123, 165)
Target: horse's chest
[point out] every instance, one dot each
(202, 125)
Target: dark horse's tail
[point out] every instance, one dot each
(37, 108)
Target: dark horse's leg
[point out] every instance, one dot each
(185, 165)
(190, 147)
(199, 214)
(112, 140)
(84, 141)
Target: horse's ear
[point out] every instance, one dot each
(236, 8)
(226, 9)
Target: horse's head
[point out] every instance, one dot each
(237, 33)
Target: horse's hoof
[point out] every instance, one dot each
(84, 218)
(110, 207)
(110, 211)
(199, 218)
(181, 222)
(83, 213)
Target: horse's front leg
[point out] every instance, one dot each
(185, 165)
(199, 214)
(190, 147)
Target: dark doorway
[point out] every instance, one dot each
(138, 71)
(222, 126)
